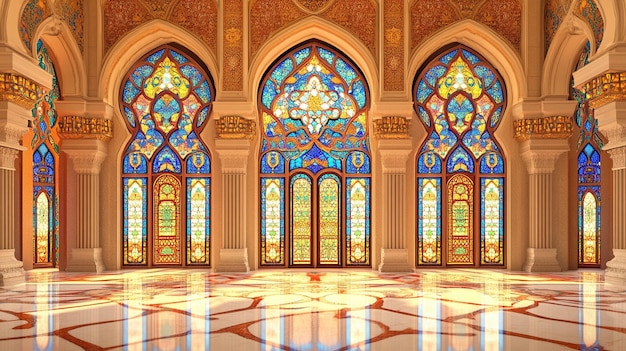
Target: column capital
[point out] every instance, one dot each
(7, 157)
(14, 121)
(540, 155)
(611, 119)
(394, 154)
(87, 155)
(233, 154)
(618, 155)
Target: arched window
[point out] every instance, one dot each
(45, 159)
(461, 172)
(166, 167)
(588, 170)
(314, 161)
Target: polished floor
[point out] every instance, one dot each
(161, 309)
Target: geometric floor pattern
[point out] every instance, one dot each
(166, 309)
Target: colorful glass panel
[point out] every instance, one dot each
(329, 219)
(358, 221)
(492, 212)
(429, 219)
(42, 229)
(313, 110)
(301, 214)
(460, 99)
(198, 220)
(166, 99)
(460, 220)
(272, 223)
(135, 221)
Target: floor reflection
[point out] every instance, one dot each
(171, 310)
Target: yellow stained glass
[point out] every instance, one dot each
(590, 254)
(166, 240)
(43, 229)
(301, 226)
(329, 221)
(135, 221)
(461, 220)
(358, 221)
(273, 221)
(198, 221)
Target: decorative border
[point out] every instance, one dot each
(391, 127)
(19, 90)
(606, 88)
(78, 127)
(235, 127)
(553, 127)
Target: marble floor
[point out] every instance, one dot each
(164, 309)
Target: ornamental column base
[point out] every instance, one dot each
(541, 260)
(615, 273)
(86, 260)
(233, 261)
(394, 260)
(11, 270)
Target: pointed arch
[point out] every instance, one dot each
(314, 160)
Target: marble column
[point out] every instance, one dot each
(394, 149)
(540, 156)
(233, 148)
(87, 156)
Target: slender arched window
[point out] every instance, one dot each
(460, 100)
(588, 169)
(166, 168)
(314, 161)
(45, 159)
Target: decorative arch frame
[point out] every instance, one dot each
(314, 160)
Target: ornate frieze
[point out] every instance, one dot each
(235, 127)
(606, 88)
(391, 127)
(394, 45)
(233, 45)
(553, 127)
(19, 90)
(78, 127)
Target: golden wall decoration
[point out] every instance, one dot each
(430, 16)
(552, 127)
(394, 45)
(19, 90)
(78, 127)
(391, 127)
(233, 45)
(606, 88)
(235, 127)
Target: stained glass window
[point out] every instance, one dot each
(166, 167)
(45, 155)
(588, 169)
(460, 99)
(313, 109)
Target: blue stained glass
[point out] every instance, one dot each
(273, 162)
(198, 163)
(192, 73)
(130, 91)
(589, 150)
(423, 92)
(429, 162)
(424, 115)
(485, 74)
(130, 117)
(358, 91)
(345, 71)
(349, 224)
(43, 126)
(282, 70)
(276, 239)
(448, 57)
(429, 233)
(434, 74)
(166, 161)
(269, 92)
(471, 57)
(460, 161)
(495, 117)
(204, 92)
(133, 235)
(301, 55)
(156, 56)
(496, 92)
(588, 126)
(178, 57)
(488, 236)
(202, 117)
(326, 55)
(135, 163)
(141, 73)
(492, 163)
(358, 162)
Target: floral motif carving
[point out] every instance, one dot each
(391, 127)
(503, 16)
(394, 45)
(553, 127)
(72, 13)
(233, 45)
(35, 11)
(590, 13)
(78, 127)
(235, 127)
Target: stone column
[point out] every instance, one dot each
(543, 141)
(84, 141)
(394, 147)
(233, 148)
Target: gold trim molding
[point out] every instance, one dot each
(553, 127)
(606, 88)
(391, 127)
(235, 127)
(78, 127)
(19, 90)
